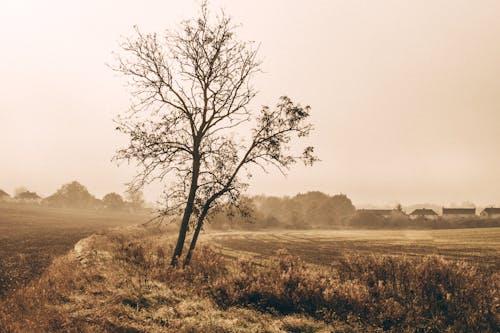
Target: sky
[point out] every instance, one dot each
(405, 95)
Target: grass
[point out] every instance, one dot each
(31, 236)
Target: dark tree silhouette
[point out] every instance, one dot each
(113, 201)
(192, 90)
(72, 195)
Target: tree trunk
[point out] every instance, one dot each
(195, 235)
(187, 213)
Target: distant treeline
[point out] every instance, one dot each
(303, 211)
(315, 210)
(311, 210)
(75, 195)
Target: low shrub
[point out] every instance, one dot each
(431, 294)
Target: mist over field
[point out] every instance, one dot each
(232, 166)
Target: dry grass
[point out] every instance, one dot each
(121, 282)
(31, 236)
(388, 292)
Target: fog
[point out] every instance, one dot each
(405, 95)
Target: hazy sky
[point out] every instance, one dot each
(405, 94)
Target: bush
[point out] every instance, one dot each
(431, 294)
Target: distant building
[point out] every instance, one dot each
(424, 213)
(491, 212)
(459, 212)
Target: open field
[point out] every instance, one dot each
(31, 236)
(480, 246)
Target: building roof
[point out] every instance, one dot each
(423, 211)
(459, 211)
(491, 210)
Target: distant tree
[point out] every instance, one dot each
(192, 89)
(342, 207)
(113, 201)
(273, 207)
(135, 199)
(306, 210)
(72, 195)
(27, 196)
(227, 216)
(321, 209)
(315, 206)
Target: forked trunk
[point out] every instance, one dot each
(199, 225)
(187, 214)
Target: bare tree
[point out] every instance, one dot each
(192, 90)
